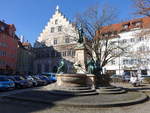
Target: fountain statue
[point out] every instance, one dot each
(62, 67)
(80, 77)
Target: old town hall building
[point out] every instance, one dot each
(57, 41)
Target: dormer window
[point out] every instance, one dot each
(106, 35)
(137, 24)
(56, 21)
(112, 34)
(125, 26)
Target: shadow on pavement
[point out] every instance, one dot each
(31, 101)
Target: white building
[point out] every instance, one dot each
(61, 35)
(134, 34)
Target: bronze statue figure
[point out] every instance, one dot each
(80, 32)
(62, 67)
(91, 66)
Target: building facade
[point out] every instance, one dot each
(8, 48)
(135, 35)
(58, 37)
(25, 58)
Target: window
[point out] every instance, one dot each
(56, 21)
(140, 38)
(144, 72)
(125, 61)
(131, 61)
(69, 53)
(2, 63)
(2, 53)
(55, 41)
(142, 48)
(132, 39)
(73, 53)
(106, 35)
(46, 67)
(52, 29)
(124, 41)
(137, 24)
(59, 28)
(3, 44)
(67, 40)
(64, 53)
(125, 26)
(113, 62)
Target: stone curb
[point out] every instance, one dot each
(74, 93)
(112, 92)
(142, 99)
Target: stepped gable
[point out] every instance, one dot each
(51, 30)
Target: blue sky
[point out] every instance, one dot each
(30, 16)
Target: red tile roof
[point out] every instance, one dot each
(145, 23)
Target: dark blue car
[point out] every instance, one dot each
(45, 78)
(6, 84)
(51, 76)
(19, 81)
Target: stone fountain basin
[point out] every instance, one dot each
(71, 79)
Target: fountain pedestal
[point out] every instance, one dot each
(76, 80)
(80, 58)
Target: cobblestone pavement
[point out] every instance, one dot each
(9, 106)
(26, 107)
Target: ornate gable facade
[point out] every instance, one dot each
(59, 34)
(58, 31)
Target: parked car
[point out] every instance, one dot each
(51, 76)
(6, 84)
(116, 78)
(20, 82)
(32, 80)
(39, 81)
(126, 78)
(45, 78)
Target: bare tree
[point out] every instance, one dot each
(103, 44)
(142, 6)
